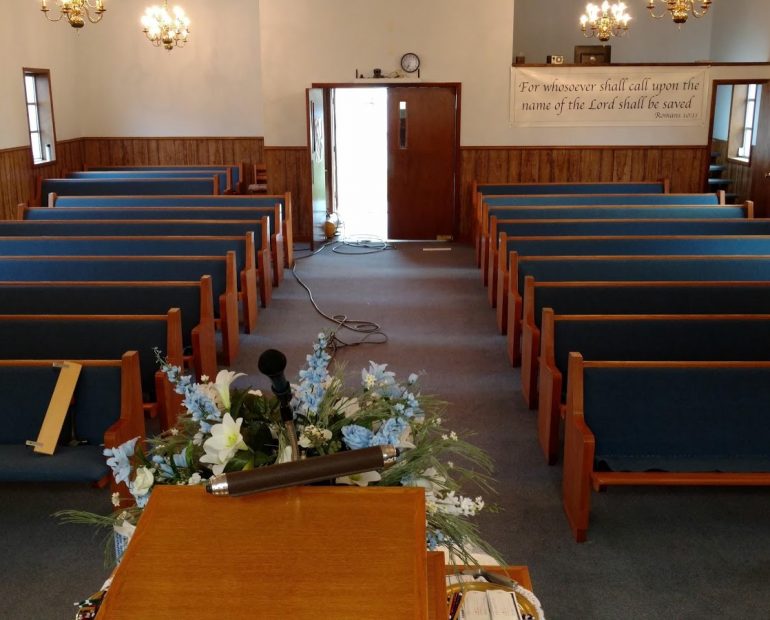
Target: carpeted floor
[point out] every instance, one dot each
(651, 553)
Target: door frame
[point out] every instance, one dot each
(456, 86)
(714, 85)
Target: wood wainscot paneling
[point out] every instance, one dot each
(17, 173)
(175, 151)
(288, 170)
(685, 166)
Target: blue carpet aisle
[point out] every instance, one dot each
(678, 553)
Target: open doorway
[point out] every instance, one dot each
(361, 166)
(389, 167)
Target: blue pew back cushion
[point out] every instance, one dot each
(677, 419)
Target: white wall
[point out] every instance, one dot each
(28, 40)
(306, 41)
(543, 27)
(210, 87)
(740, 32)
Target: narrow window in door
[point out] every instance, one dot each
(402, 124)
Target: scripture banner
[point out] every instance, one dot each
(608, 95)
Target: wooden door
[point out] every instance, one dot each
(760, 159)
(422, 161)
(318, 147)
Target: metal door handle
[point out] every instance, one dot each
(767, 175)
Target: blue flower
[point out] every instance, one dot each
(390, 432)
(357, 437)
(180, 460)
(119, 460)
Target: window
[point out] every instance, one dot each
(42, 137)
(749, 121)
(744, 115)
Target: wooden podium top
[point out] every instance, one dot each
(302, 552)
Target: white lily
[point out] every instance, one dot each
(222, 386)
(225, 441)
(362, 479)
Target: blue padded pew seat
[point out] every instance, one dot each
(638, 337)
(624, 268)
(604, 199)
(619, 187)
(222, 270)
(614, 246)
(194, 299)
(95, 336)
(663, 423)
(106, 409)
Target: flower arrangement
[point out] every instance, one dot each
(225, 429)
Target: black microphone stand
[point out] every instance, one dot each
(272, 363)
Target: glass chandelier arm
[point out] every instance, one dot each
(46, 12)
(704, 8)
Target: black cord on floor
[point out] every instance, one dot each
(372, 332)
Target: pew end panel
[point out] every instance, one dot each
(579, 449)
(264, 269)
(228, 312)
(501, 289)
(249, 283)
(550, 383)
(288, 230)
(514, 310)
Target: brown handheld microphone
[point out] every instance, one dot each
(306, 471)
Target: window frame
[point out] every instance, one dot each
(45, 134)
(741, 122)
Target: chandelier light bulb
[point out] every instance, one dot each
(164, 29)
(605, 21)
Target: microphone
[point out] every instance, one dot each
(272, 363)
(306, 471)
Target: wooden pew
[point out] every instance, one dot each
(235, 172)
(242, 246)
(640, 337)
(554, 228)
(159, 228)
(607, 212)
(744, 268)
(614, 246)
(106, 409)
(92, 336)
(272, 213)
(595, 199)
(222, 176)
(284, 200)
(119, 187)
(694, 423)
(194, 299)
(152, 268)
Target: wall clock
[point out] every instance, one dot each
(410, 62)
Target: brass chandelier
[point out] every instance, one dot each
(605, 21)
(76, 11)
(166, 29)
(679, 9)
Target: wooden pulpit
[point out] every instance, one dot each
(296, 553)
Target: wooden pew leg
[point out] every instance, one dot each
(249, 299)
(228, 312)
